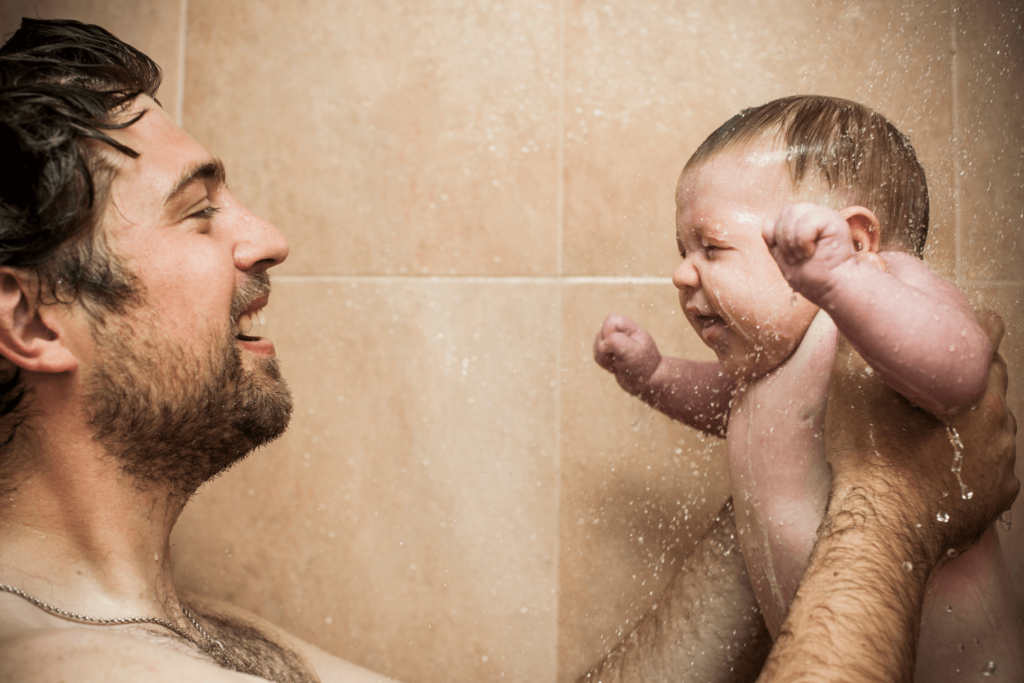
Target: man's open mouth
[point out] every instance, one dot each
(247, 321)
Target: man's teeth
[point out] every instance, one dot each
(247, 321)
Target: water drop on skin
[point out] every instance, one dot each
(908, 567)
(958, 462)
(942, 516)
(1006, 519)
(990, 668)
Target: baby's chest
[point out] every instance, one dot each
(776, 426)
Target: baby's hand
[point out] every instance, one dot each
(808, 241)
(625, 349)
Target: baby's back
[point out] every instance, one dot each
(780, 483)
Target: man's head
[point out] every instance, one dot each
(63, 87)
(136, 300)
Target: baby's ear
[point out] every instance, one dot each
(864, 228)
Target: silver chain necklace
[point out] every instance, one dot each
(72, 616)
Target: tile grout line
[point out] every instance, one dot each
(476, 279)
(560, 322)
(560, 150)
(179, 107)
(957, 222)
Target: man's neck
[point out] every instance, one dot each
(78, 534)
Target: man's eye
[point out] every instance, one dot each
(206, 213)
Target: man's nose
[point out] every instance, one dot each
(259, 242)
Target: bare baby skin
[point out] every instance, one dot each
(765, 280)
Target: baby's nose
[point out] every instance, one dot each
(685, 276)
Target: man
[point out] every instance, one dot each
(129, 278)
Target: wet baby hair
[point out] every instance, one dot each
(855, 150)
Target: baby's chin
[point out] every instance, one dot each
(748, 366)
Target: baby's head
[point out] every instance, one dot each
(805, 148)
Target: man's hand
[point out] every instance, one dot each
(894, 513)
(626, 350)
(877, 441)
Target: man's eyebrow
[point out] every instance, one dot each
(202, 170)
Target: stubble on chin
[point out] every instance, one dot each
(173, 418)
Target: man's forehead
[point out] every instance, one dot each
(169, 160)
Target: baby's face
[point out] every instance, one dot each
(730, 287)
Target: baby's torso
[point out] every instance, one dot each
(780, 479)
(780, 484)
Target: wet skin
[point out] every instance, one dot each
(778, 350)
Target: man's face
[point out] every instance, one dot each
(172, 387)
(730, 287)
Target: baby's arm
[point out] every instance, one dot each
(696, 393)
(915, 330)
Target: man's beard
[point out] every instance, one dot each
(172, 418)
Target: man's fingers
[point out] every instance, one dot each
(993, 326)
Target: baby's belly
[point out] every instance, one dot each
(969, 622)
(779, 476)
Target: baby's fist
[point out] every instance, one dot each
(626, 350)
(808, 241)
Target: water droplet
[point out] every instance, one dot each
(908, 567)
(1006, 519)
(942, 516)
(951, 552)
(958, 462)
(989, 668)
(792, 300)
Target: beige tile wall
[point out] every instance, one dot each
(468, 188)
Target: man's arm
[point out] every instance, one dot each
(893, 517)
(706, 626)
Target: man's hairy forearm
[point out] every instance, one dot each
(856, 616)
(706, 627)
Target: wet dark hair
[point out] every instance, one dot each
(63, 84)
(851, 147)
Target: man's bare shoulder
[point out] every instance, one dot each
(89, 654)
(329, 668)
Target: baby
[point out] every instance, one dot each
(798, 220)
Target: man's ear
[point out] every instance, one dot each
(30, 333)
(863, 227)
